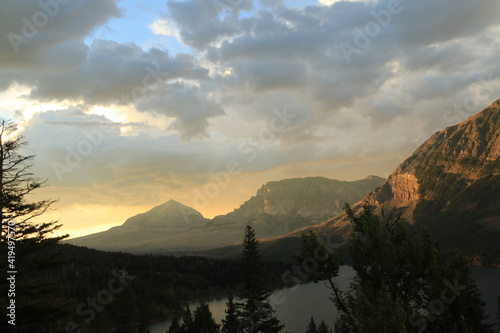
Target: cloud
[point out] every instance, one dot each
(187, 104)
(166, 28)
(331, 2)
(200, 22)
(404, 72)
(31, 29)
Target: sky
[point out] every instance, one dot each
(128, 104)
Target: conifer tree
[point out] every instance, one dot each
(311, 328)
(174, 327)
(323, 328)
(188, 322)
(17, 182)
(203, 320)
(403, 282)
(39, 306)
(498, 310)
(231, 322)
(257, 314)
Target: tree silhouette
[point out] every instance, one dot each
(231, 322)
(188, 322)
(39, 308)
(312, 328)
(257, 314)
(322, 328)
(204, 321)
(404, 283)
(174, 327)
(16, 183)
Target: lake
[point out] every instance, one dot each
(295, 306)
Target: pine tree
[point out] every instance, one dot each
(231, 322)
(498, 310)
(16, 184)
(188, 322)
(311, 328)
(323, 328)
(204, 321)
(39, 307)
(404, 283)
(174, 327)
(257, 314)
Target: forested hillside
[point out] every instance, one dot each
(99, 291)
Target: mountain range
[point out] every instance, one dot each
(450, 185)
(279, 207)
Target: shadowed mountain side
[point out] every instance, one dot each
(278, 208)
(449, 185)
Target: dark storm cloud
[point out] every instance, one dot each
(116, 73)
(200, 21)
(30, 29)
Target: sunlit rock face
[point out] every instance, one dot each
(450, 185)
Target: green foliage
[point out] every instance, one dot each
(401, 281)
(256, 313)
(328, 262)
(311, 328)
(498, 310)
(201, 321)
(231, 322)
(188, 322)
(204, 321)
(322, 328)
(159, 285)
(404, 283)
(174, 327)
(40, 306)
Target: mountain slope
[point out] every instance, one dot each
(283, 206)
(450, 185)
(278, 208)
(147, 230)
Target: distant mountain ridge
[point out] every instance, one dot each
(278, 208)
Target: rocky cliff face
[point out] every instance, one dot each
(450, 185)
(286, 205)
(450, 161)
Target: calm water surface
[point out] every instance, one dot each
(295, 306)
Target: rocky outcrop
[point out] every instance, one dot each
(450, 185)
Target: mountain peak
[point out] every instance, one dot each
(450, 185)
(373, 177)
(170, 203)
